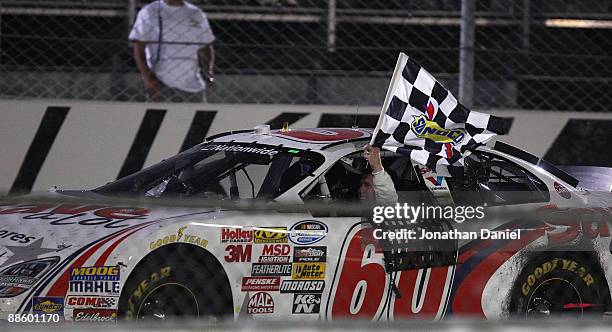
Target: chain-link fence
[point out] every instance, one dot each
(530, 54)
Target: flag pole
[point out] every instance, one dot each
(399, 65)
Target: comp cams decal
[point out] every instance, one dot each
(95, 302)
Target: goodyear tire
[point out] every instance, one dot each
(176, 282)
(560, 284)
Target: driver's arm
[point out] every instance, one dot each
(384, 188)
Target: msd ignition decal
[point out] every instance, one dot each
(308, 271)
(275, 253)
(309, 254)
(236, 235)
(96, 302)
(88, 215)
(48, 305)
(306, 303)
(360, 286)
(307, 232)
(94, 315)
(270, 235)
(260, 303)
(302, 286)
(250, 284)
(180, 236)
(103, 280)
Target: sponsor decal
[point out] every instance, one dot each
(102, 280)
(306, 303)
(307, 232)
(308, 271)
(428, 129)
(274, 259)
(94, 315)
(239, 148)
(271, 269)
(237, 253)
(236, 235)
(87, 215)
(48, 305)
(15, 236)
(563, 192)
(302, 286)
(180, 236)
(260, 284)
(539, 272)
(309, 254)
(270, 235)
(260, 303)
(17, 281)
(96, 302)
(276, 250)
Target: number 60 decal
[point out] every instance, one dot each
(360, 287)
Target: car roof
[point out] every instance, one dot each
(316, 139)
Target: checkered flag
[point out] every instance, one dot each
(422, 119)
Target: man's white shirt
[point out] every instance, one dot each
(185, 30)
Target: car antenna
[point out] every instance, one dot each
(356, 115)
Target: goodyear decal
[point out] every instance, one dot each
(180, 236)
(424, 128)
(270, 235)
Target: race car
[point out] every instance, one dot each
(90, 260)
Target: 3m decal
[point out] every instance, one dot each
(48, 305)
(307, 232)
(96, 302)
(250, 284)
(236, 235)
(180, 236)
(237, 253)
(309, 254)
(302, 286)
(94, 315)
(271, 269)
(308, 271)
(270, 235)
(260, 303)
(306, 303)
(102, 280)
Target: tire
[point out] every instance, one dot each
(560, 284)
(177, 281)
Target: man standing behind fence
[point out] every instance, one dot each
(173, 51)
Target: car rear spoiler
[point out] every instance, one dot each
(528, 157)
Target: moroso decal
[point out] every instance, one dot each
(270, 235)
(302, 286)
(250, 284)
(307, 232)
(260, 303)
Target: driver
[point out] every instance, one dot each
(376, 186)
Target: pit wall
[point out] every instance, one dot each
(83, 144)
